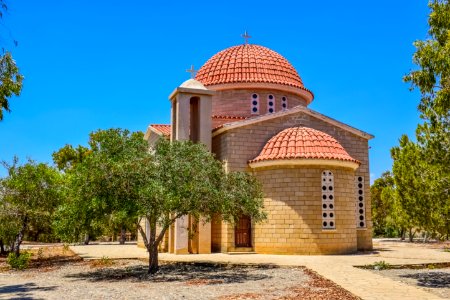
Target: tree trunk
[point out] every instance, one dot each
(425, 238)
(19, 238)
(122, 236)
(402, 234)
(411, 235)
(2, 247)
(153, 266)
(86, 239)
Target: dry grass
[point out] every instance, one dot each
(46, 258)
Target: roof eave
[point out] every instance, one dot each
(304, 162)
(251, 121)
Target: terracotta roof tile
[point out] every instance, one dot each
(229, 117)
(164, 129)
(303, 142)
(248, 63)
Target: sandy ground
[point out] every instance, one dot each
(64, 275)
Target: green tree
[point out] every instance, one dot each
(381, 206)
(10, 78)
(28, 195)
(432, 175)
(122, 179)
(182, 178)
(66, 157)
(95, 200)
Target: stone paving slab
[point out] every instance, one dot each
(338, 268)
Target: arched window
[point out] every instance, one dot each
(360, 203)
(328, 215)
(270, 104)
(254, 104)
(284, 103)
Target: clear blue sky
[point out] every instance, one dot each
(92, 65)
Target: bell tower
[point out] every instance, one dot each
(191, 113)
(191, 120)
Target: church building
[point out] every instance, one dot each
(249, 106)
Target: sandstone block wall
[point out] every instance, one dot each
(294, 205)
(238, 146)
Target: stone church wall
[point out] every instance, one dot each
(238, 146)
(238, 102)
(294, 206)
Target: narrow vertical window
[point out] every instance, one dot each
(284, 103)
(360, 203)
(194, 128)
(255, 104)
(328, 217)
(270, 104)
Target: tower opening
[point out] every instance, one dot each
(194, 128)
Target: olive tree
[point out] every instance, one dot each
(29, 194)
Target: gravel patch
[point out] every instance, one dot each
(435, 281)
(128, 279)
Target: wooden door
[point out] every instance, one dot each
(243, 232)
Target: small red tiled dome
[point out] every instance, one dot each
(303, 143)
(248, 64)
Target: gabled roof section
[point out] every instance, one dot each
(294, 110)
(159, 129)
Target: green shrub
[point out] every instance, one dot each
(18, 262)
(381, 265)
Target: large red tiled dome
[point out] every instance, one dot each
(303, 143)
(248, 64)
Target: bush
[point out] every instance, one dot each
(381, 265)
(18, 262)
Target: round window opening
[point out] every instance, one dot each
(254, 96)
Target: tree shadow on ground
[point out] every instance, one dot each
(53, 262)
(179, 272)
(23, 291)
(431, 279)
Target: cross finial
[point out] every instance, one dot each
(246, 36)
(192, 71)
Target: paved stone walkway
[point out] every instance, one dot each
(338, 268)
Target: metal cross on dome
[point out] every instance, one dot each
(192, 71)
(246, 36)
